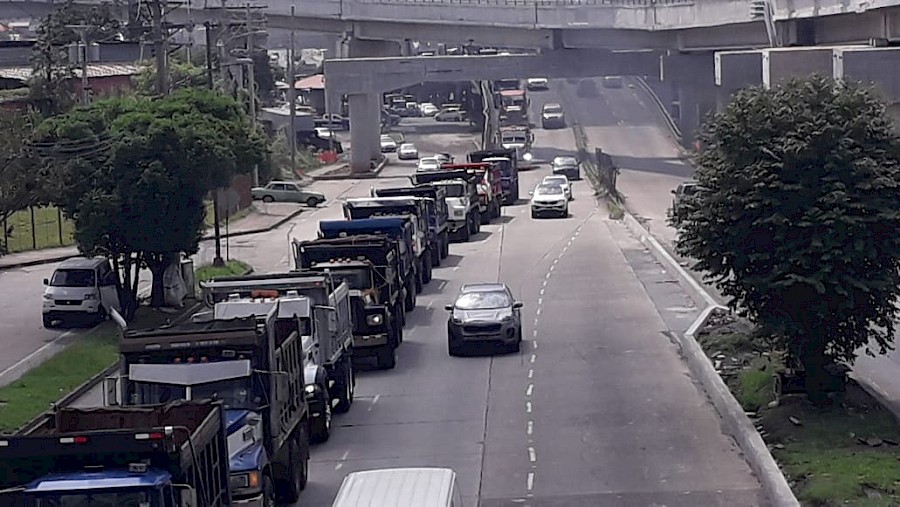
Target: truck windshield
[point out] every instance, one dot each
(455, 190)
(147, 393)
(73, 278)
(234, 393)
(513, 140)
(356, 278)
(104, 499)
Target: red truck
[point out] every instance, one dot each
(489, 184)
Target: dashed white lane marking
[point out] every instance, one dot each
(548, 275)
(531, 373)
(540, 301)
(530, 429)
(532, 456)
(455, 268)
(530, 481)
(343, 458)
(542, 292)
(538, 312)
(535, 344)
(529, 390)
(374, 401)
(528, 406)
(429, 305)
(533, 357)
(535, 334)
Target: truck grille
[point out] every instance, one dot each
(481, 328)
(68, 302)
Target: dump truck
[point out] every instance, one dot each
(509, 170)
(489, 184)
(520, 139)
(437, 214)
(370, 265)
(461, 198)
(173, 454)
(323, 306)
(254, 365)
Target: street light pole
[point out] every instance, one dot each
(292, 101)
(218, 261)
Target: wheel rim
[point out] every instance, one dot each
(327, 402)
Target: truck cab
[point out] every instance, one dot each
(461, 197)
(488, 182)
(509, 170)
(519, 139)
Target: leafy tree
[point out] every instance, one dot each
(18, 176)
(51, 85)
(797, 221)
(136, 188)
(181, 75)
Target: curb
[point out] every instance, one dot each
(210, 237)
(363, 176)
(734, 419)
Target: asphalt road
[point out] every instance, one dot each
(597, 409)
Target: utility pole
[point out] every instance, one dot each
(252, 86)
(82, 30)
(292, 100)
(217, 261)
(161, 45)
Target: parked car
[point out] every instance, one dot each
(567, 166)
(407, 151)
(80, 288)
(428, 164)
(549, 199)
(326, 133)
(428, 109)
(559, 179)
(287, 191)
(552, 116)
(484, 312)
(685, 189)
(444, 158)
(537, 83)
(388, 145)
(450, 115)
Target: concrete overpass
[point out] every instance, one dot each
(683, 25)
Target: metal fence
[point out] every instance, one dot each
(35, 228)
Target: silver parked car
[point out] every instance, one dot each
(407, 151)
(287, 191)
(484, 312)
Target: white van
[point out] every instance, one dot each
(80, 288)
(400, 487)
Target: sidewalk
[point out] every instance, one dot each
(264, 217)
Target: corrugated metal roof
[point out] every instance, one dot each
(95, 70)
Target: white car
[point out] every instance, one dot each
(549, 198)
(563, 162)
(81, 288)
(552, 116)
(537, 83)
(450, 114)
(563, 181)
(388, 145)
(427, 164)
(326, 133)
(428, 109)
(407, 151)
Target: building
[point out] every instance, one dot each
(104, 80)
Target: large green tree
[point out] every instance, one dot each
(19, 174)
(52, 90)
(797, 218)
(137, 171)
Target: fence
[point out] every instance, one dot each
(36, 228)
(599, 167)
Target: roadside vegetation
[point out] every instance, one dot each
(231, 268)
(48, 228)
(794, 222)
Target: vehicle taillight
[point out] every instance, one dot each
(149, 436)
(73, 440)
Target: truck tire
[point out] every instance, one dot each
(386, 358)
(344, 386)
(320, 429)
(268, 498)
(398, 320)
(467, 232)
(420, 277)
(410, 302)
(296, 475)
(426, 267)
(445, 245)
(436, 253)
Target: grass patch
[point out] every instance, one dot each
(829, 459)
(46, 231)
(231, 268)
(31, 395)
(615, 211)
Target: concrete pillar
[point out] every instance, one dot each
(365, 131)
(361, 48)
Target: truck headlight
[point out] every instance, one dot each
(244, 480)
(374, 320)
(48, 297)
(527, 157)
(88, 297)
(310, 389)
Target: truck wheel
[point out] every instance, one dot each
(296, 475)
(386, 358)
(268, 198)
(48, 322)
(268, 499)
(445, 245)
(467, 232)
(410, 302)
(344, 388)
(420, 280)
(397, 323)
(321, 426)
(427, 268)
(436, 253)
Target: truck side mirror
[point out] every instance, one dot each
(111, 391)
(187, 495)
(47, 280)
(518, 304)
(449, 308)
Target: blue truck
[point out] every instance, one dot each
(401, 230)
(171, 455)
(254, 365)
(436, 206)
